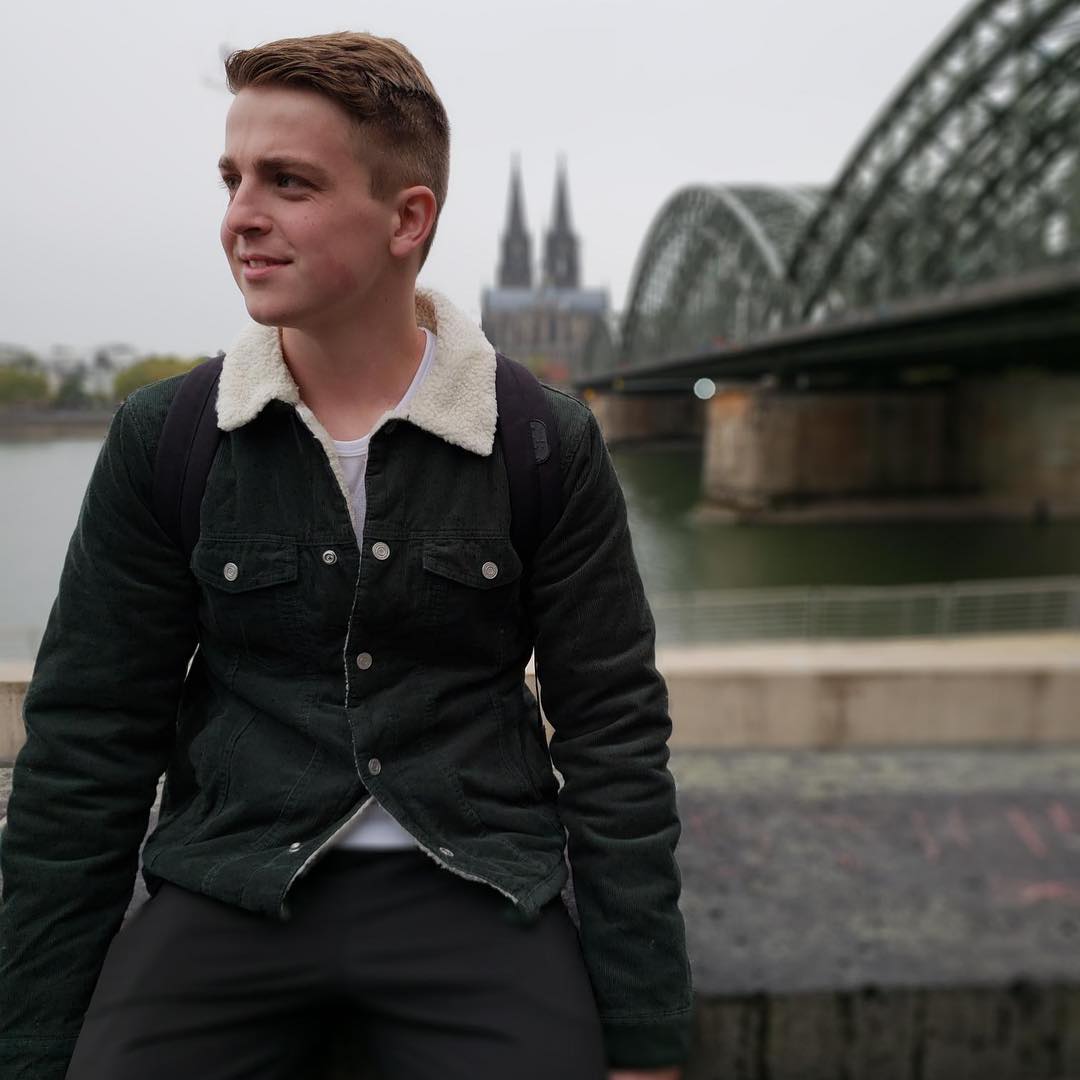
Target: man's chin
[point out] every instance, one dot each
(269, 314)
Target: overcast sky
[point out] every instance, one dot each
(112, 121)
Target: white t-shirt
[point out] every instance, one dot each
(376, 828)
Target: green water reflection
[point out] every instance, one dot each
(675, 554)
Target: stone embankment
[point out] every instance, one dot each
(880, 858)
(27, 423)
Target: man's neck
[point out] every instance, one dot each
(350, 374)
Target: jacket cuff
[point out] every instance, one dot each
(648, 1042)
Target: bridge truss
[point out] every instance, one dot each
(711, 270)
(969, 175)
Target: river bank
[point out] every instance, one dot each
(24, 423)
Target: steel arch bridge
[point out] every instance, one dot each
(970, 175)
(712, 268)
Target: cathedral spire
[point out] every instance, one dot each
(515, 264)
(560, 244)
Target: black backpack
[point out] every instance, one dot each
(526, 431)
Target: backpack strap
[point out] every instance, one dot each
(186, 449)
(530, 443)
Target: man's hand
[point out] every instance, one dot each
(669, 1072)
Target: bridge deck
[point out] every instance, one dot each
(1012, 322)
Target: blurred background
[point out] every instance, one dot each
(816, 269)
(814, 266)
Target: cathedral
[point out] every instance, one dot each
(545, 325)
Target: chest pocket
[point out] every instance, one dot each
(250, 596)
(471, 583)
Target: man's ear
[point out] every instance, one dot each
(415, 209)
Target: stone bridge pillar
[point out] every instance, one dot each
(768, 449)
(1000, 446)
(645, 417)
(1018, 439)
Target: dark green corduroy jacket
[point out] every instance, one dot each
(325, 677)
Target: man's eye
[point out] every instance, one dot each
(288, 180)
(228, 182)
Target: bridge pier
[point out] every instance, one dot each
(775, 449)
(643, 417)
(1001, 446)
(1019, 440)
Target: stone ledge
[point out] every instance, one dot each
(1003, 690)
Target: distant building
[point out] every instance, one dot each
(94, 370)
(17, 356)
(106, 362)
(62, 362)
(545, 326)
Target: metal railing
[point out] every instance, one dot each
(844, 612)
(825, 612)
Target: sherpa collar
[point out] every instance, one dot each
(455, 401)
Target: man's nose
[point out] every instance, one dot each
(245, 212)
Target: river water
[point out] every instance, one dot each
(42, 482)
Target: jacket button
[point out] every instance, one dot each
(231, 571)
(447, 852)
(489, 570)
(329, 557)
(363, 661)
(380, 550)
(295, 846)
(374, 766)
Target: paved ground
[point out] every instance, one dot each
(807, 871)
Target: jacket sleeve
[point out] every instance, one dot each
(608, 708)
(100, 716)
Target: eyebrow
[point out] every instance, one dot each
(278, 164)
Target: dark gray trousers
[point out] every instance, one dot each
(419, 965)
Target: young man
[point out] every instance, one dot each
(358, 812)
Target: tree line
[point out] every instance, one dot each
(24, 382)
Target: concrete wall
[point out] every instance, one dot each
(929, 692)
(934, 692)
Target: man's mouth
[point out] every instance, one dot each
(260, 262)
(257, 266)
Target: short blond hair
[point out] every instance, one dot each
(382, 87)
